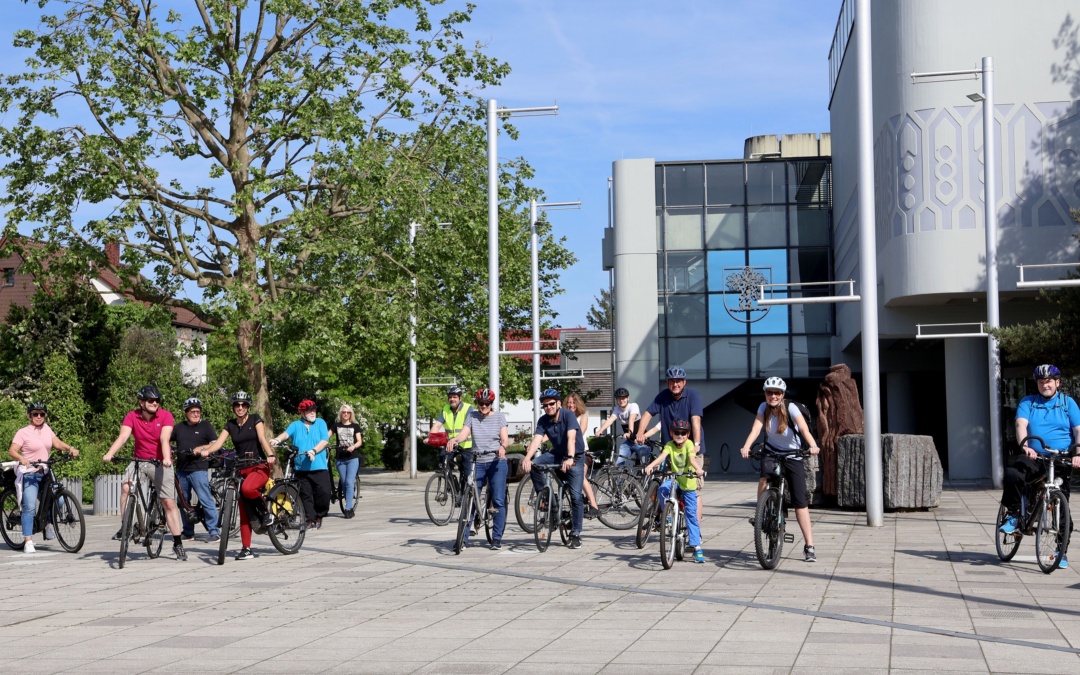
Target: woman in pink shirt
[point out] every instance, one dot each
(33, 443)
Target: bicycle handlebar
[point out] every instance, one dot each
(1072, 450)
(132, 458)
(759, 450)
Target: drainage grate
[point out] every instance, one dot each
(985, 572)
(1005, 614)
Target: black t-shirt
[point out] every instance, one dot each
(245, 438)
(188, 436)
(346, 435)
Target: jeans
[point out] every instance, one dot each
(575, 477)
(495, 474)
(199, 481)
(693, 528)
(31, 486)
(347, 471)
(629, 452)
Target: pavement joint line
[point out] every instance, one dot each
(709, 599)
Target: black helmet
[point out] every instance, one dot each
(622, 392)
(679, 425)
(149, 392)
(36, 405)
(241, 397)
(192, 403)
(455, 391)
(1045, 371)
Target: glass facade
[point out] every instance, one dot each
(721, 229)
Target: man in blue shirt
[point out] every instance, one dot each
(1052, 416)
(561, 428)
(677, 402)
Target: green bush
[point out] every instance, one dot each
(62, 393)
(145, 356)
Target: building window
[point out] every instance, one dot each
(9, 276)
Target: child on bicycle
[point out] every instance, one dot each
(783, 424)
(683, 456)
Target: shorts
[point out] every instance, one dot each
(794, 472)
(164, 477)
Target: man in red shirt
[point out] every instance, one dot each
(150, 426)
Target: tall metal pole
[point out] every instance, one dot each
(493, 250)
(412, 367)
(534, 243)
(992, 309)
(868, 268)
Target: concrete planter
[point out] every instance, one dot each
(911, 472)
(107, 494)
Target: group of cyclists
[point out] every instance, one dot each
(170, 454)
(678, 410)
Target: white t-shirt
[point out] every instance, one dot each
(789, 440)
(624, 415)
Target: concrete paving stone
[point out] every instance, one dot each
(935, 665)
(718, 657)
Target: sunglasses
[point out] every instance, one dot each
(37, 413)
(155, 401)
(774, 393)
(486, 403)
(241, 405)
(552, 404)
(680, 433)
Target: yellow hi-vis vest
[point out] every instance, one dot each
(454, 423)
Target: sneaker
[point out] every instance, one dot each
(311, 524)
(809, 554)
(496, 545)
(591, 512)
(178, 550)
(28, 547)
(49, 532)
(575, 541)
(267, 519)
(1009, 526)
(188, 537)
(318, 523)
(213, 539)
(1064, 564)
(119, 535)
(753, 521)
(699, 556)
(245, 554)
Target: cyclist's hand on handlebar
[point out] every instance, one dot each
(814, 449)
(271, 459)
(567, 463)
(107, 457)
(745, 452)
(310, 455)
(639, 439)
(73, 452)
(167, 462)
(1029, 453)
(526, 465)
(274, 442)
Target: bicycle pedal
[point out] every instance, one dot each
(789, 538)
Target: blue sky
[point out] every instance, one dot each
(679, 79)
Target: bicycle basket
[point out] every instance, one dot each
(437, 439)
(7, 474)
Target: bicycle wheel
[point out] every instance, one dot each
(11, 512)
(489, 514)
(68, 521)
(126, 525)
(768, 534)
(680, 537)
(464, 518)
(543, 518)
(1007, 544)
(566, 517)
(646, 516)
(669, 526)
(1052, 532)
(625, 498)
(725, 456)
(218, 486)
(290, 523)
(228, 509)
(525, 505)
(440, 499)
(155, 528)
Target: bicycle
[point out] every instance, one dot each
(442, 495)
(192, 511)
(469, 518)
(770, 516)
(674, 535)
(289, 525)
(1046, 515)
(143, 520)
(553, 508)
(619, 496)
(651, 509)
(337, 493)
(56, 506)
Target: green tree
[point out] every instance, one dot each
(62, 393)
(601, 315)
(144, 356)
(274, 155)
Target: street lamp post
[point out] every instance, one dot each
(993, 314)
(493, 113)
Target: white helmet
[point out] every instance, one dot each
(775, 383)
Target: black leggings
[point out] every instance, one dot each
(315, 492)
(1024, 471)
(795, 474)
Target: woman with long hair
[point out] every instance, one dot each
(576, 405)
(346, 431)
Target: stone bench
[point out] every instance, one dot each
(911, 472)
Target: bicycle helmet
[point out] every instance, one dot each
(621, 392)
(679, 425)
(1046, 370)
(455, 390)
(676, 373)
(551, 393)
(36, 405)
(775, 383)
(192, 403)
(149, 393)
(485, 395)
(241, 397)
(306, 405)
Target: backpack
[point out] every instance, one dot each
(809, 421)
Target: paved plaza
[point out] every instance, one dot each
(384, 593)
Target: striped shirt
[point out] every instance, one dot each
(484, 431)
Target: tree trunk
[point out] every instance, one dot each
(250, 342)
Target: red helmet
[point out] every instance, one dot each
(305, 405)
(485, 395)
